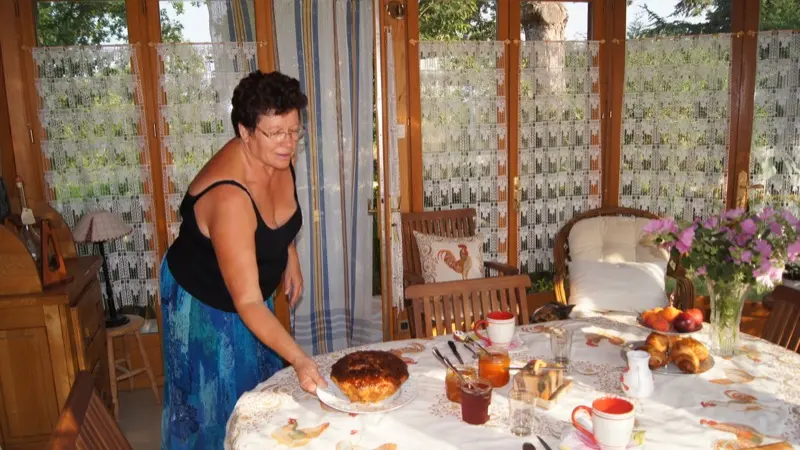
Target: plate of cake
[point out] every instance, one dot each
(368, 381)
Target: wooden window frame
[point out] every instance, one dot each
(607, 24)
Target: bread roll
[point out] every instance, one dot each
(657, 358)
(369, 376)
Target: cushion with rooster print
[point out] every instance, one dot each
(450, 259)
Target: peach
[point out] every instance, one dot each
(670, 313)
(661, 324)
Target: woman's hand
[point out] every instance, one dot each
(308, 374)
(293, 278)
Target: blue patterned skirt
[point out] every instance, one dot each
(210, 359)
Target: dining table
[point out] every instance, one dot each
(749, 400)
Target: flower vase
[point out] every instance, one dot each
(727, 301)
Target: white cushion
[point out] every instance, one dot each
(613, 239)
(627, 287)
(450, 259)
(614, 266)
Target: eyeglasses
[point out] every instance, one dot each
(281, 136)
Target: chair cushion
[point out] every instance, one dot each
(613, 239)
(625, 286)
(450, 259)
(614, 267)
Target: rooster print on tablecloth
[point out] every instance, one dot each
(462, 265)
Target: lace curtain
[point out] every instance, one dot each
(95, 156)
(197, 82)
(675, 124)
(464, 151)
(559, 142)
(775, 151)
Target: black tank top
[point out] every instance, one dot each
(194, 265)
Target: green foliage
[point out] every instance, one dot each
(448, 20)
(774, 15)
(93, 23)
(541, 282)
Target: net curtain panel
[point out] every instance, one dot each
(327, 45)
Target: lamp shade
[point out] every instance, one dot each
(100, 226)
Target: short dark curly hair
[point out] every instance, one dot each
(260, 94)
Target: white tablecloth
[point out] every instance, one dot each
(751, 399)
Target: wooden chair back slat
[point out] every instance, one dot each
(465, 302)
(783, 325)
(85, 423)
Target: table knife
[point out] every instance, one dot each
(455, 351)
(546, 447)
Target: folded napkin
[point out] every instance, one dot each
(575, 440)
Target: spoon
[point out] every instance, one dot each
(447, 363)
(475, 341)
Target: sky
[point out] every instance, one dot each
(194, 20)
(578, 22)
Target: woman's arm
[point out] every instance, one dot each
(293, 277)
(231, 226)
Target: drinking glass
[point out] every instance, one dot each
(493, 366)
(452, 383)
(521, 412)
(561, 345)
(476, 395)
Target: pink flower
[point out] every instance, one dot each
(685, 239)
(742, 239)
(763, 248)
(790, 218)
(660, 226)
(766, 213)
(793, 250)
(711, 222)
(749, 227)
(747, 256)
(700, 271)
(776, 228)
(768, 274)
(732, 214)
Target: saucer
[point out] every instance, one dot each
(516, 344)
(575, 440)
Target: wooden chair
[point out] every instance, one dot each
(684, 294)
(441, 308)
(450, 223)
(85, 423)
(783, 325)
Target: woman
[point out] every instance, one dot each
(240, 217)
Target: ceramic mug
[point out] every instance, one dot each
(612, 422)
(500, 326)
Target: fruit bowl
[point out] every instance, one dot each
(671, 331)
(671, 320)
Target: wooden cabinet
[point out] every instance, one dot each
(45, 339)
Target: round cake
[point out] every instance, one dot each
(369, 376)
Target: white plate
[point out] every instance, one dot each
(334, 398)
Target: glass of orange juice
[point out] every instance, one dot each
(452, 383)
(493, 366)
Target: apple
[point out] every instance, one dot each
(696, 314)
(670, 313)
(684, 323)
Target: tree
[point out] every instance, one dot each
(774, 15)
(93, 23)
(448, 20)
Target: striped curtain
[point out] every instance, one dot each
(327, 45)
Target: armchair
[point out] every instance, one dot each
(684, 294)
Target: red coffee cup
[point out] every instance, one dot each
(500, 326)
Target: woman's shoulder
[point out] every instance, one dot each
(222, 167)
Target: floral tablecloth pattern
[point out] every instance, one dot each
(749, 400)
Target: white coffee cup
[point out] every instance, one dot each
(500, 327)
(612, 422)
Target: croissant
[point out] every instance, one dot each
(660, 342)
(657, 358)
(688, 354)
(695, 346)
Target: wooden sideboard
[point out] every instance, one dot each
(45, 339)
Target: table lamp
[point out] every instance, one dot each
(98, 227)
